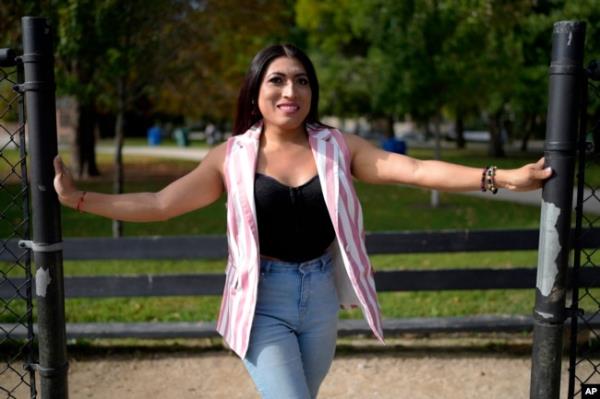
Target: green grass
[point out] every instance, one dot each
(400, 208)
(386, 208)
(142, 309)
(393, 304)
(142, 141)
(457, 260)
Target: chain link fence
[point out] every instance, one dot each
(17, 379)
(585, 338)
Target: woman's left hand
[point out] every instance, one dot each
(525, 178)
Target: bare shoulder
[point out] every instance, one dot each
(215, 158)
(356, 143)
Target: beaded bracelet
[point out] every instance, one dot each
(80, 202)
(483, 174)
(488, 179)
(491, 179)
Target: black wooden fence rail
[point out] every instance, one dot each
(214, 247)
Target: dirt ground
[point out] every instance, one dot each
(402, 369)
(218, 375)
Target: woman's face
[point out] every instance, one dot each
(284, 96)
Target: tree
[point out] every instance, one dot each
(152, 49)
(529, 97)
(338, 42)
(11, 12)
(138, 37)
(589, 12)
(204, 75)
(429, 58)
(400, 45)
(78, 54)
(403, 48)
(76, 57)
(502, 62)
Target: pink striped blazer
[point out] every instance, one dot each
(354, 275)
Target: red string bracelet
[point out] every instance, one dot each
(80, 202)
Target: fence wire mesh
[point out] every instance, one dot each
(17, 379)
(585, 338)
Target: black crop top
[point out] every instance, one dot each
(293, 222)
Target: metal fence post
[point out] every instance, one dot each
(565, 75)
(39, 91)
(27, 231)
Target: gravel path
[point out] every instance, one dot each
(448, 367)
(221, 375)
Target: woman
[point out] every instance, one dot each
(289, 187)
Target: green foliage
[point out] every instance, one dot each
(426, 58)
(187, 57)
(220, 39)
(103, 41)
(376, 58)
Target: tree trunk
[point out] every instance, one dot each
(459, 129)
(389, 126)
(496, 146)
(528, 131)
(437, 154)
(85, 143)
(525, 141)
(118, 183)
(428, 134)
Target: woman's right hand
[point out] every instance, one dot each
(64, 184)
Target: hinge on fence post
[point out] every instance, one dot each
(573, 312)
(33, 86)
(18, 89)
(47, 371)
(41, 246)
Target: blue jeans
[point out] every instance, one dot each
(293, 335)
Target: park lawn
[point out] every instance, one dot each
(386, 208)
(406, 304)
(475, 156)
(142, 141)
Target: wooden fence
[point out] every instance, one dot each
(215, 247)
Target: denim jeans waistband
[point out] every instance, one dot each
(321, 263)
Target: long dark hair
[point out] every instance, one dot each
(247, 106)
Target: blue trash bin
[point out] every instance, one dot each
(154, 135)
(392, 144)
